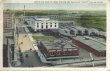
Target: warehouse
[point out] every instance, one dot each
(92, 45)
(55, 50)
(64, 32)
(81, 30)
(78, 30)
(41, 23)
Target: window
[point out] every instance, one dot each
(58, 53)
(64, 52)
(55, 26)
(46, 26)
(42, 26)
(37, 25)
(70, 49)
(52, 53)
(50, 25)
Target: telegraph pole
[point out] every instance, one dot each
(15, 36)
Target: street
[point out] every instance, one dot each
(32, 60)
(25, 45)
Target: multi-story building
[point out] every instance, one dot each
(54, 52)
(10, 52)
(7, 21)
(41, 23)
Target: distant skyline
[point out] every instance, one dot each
(55, 6)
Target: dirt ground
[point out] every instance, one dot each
(24, 43)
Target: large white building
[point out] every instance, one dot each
(41, 23)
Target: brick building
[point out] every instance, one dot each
(53, 51)
(93, 46)
(7, 21)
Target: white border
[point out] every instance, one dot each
(51, 68)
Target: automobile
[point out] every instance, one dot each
(21, 42)
(25, 35)
(30, 49)
(26, 55)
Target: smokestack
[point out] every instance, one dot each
(24, 14)
(24, 10)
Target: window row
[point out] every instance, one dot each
(63, 53)
(47, 26)
(47, 23)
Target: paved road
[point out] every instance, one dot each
(21, 30)
(25, 46)
(32, 60)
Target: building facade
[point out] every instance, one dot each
(90, 45)
(7, 21)
(42, 23)
(52, 52)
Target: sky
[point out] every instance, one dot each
(56, 6)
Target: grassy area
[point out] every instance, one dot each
(89, 21)
(47, 38)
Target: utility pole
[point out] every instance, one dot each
(14, 25)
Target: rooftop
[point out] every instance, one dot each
(80, 28)
(10, 38)
(92, 43)
(41, 18)
(93, 30)
(58, 44)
